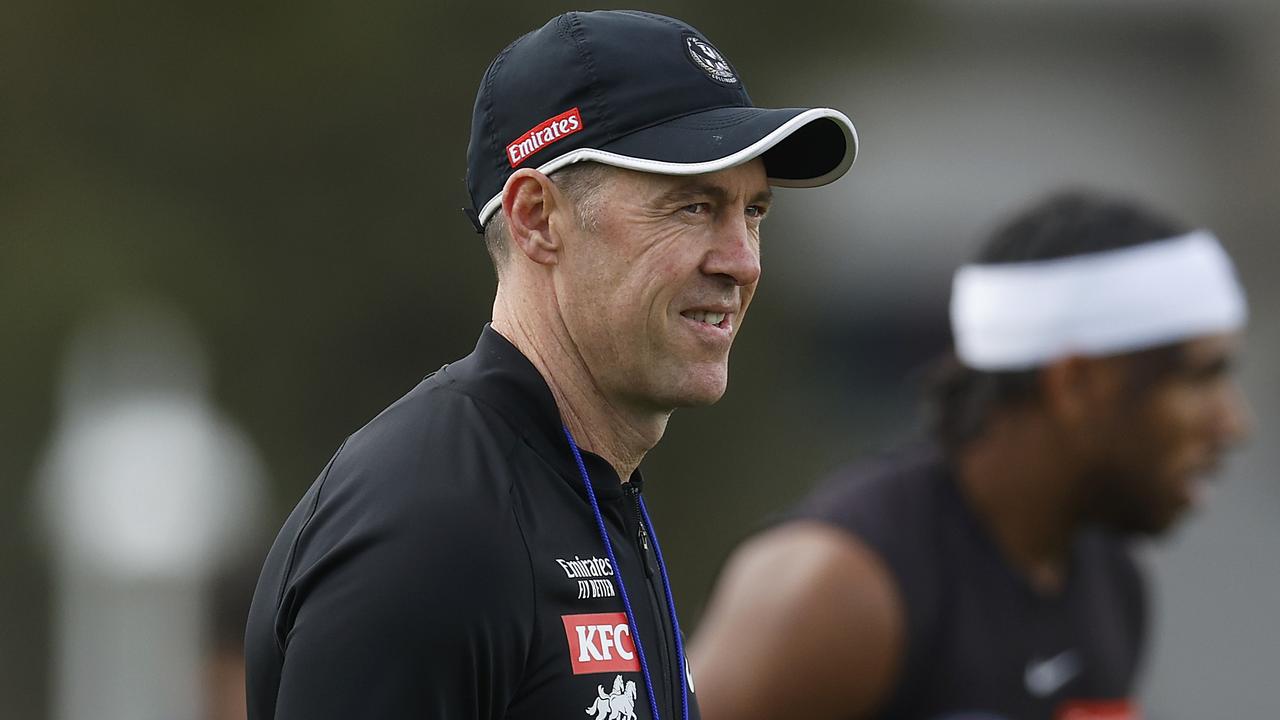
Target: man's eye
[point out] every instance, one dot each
(696, 208)
(757, 211)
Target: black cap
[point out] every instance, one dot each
(638, 91)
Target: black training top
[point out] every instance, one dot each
(447, 564)
(981, 643)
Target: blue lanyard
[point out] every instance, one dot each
(622, 589)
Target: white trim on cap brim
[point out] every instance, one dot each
(747, 153)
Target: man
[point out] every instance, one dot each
(987, 575)
(481, 549)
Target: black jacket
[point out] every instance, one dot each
(447, 564)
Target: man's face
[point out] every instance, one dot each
(654, 291)
(1169, 435)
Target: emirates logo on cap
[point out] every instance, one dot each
(543, 134)
(709, 60)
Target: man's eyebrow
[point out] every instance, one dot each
(695, 190)
(1210, 367)
(687, 192)
(1214, 367)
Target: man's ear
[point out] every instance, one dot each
(528, 200)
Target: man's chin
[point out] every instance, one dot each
(698, 396)
(701, 400)
(699, 388)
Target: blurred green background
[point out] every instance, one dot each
(289, 179)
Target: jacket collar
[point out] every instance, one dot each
(499, 375)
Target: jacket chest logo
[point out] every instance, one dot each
(593, 575)
(600, 642)
(618, 704)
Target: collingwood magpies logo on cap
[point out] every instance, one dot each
(709, 60)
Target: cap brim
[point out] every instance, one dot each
(800, 147)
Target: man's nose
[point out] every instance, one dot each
(1235, 419)
(735, 252)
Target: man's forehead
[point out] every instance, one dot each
(747, 179)
(1207, 348)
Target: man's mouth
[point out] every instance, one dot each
(704, 316)
(1207, 470)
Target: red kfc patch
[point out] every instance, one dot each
(600, 642)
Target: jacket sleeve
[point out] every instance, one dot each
(418, 609)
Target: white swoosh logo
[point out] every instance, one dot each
(1046, 677)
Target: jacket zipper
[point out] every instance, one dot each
(642, 534)
(655, 601)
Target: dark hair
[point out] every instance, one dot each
(961, 400)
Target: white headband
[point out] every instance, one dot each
(1018, 316)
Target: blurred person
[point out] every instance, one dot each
(147, 492)
(986, 573)
(481, 549)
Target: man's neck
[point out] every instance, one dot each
(599, 424)
(1023, 488)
